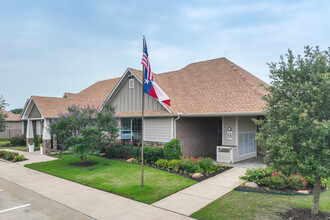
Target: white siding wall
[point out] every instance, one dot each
(158, 129)
(245, 124)
(229, 122)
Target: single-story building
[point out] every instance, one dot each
(213, 103)
(13, 125)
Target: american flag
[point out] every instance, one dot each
(145, 62)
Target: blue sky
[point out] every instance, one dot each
(51, 47)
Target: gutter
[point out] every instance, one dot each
(198, 115)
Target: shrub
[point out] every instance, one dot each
(8, 155)
(121, 149)
(172, 149)
(18, 158)
(276, 181)
(152, 154)
(37, 141)
(257, 175)
(174, 164)
(296, 181)
(18, 141)
(162, 164)
(207, 165)
(190, 165)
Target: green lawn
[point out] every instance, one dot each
(2, 142)
(239, 205)
(20, 148)
(117, 177)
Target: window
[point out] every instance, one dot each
(131, 129)
(131, 83)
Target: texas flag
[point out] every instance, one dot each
(150, 86)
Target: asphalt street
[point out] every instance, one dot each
(17, 202)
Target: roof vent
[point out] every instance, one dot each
(131, 83)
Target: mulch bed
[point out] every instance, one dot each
(300, 214)
(180, 173)
(264, 189)
(187, 175)
(82, 164)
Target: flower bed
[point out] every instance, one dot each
(186, 167)
(11, 156)
(269, 180)
(168, 158)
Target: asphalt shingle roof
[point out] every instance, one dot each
(207, 87)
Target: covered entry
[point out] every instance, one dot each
(238, 139)
(199, 136)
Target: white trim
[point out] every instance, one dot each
(26, 108)
(236, 118)
(198, 115)
(223, 128)
(114, 89)
(172, 128)
(247, 132)
(119, 83)
(25, 105)
(27, 111)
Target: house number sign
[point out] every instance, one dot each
(229, 133)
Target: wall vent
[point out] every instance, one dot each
(131, 83)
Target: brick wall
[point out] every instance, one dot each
(13, 129)
(198, 136)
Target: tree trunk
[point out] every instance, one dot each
(316, 196)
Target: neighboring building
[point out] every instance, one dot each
(212, 104)
(13, 126)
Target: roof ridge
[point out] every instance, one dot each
(240, 73)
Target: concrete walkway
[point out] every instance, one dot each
(195, 197)
(103, 205)
(33, 157)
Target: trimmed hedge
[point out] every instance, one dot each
(124, 150)
(18, 141)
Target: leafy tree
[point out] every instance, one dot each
(3, 115)
(84, 130)
(295, 131)
(17, 110)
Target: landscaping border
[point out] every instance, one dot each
(276, 193)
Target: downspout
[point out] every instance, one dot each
(174, 129)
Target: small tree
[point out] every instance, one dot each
(84, 130)
(3, 115)
(295, 131)
(17, 110)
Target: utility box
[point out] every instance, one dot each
(225, 154)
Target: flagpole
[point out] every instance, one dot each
(144, 40)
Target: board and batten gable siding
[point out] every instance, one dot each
(130, 99)
(35, 113)
(245, 124)
(158, 129)
(229, 122)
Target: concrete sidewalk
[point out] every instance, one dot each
(195, 197)
(89, 201)
(103, 205)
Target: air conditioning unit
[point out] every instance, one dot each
(225, 154)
